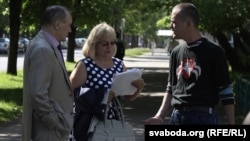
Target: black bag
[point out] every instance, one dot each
(87, 104)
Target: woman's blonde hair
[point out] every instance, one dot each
(99, 33)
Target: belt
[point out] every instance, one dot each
(196, 108)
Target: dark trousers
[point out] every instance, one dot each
(181, 117)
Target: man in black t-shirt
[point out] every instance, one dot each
(198, 75)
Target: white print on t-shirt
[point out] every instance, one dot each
(187, 67)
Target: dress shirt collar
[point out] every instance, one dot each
(51, 38)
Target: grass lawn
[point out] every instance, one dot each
(133, 52)
(11, 89)
(10, 96)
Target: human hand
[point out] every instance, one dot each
(111, 95)
(139, 83)
(153, 121)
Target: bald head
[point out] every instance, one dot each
(54, 13)
(184, 11)
(185, 22)
(57, 21)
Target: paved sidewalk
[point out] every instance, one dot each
(157, 63)
(148, 103)
(160, 61)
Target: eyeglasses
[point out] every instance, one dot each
(105, 44)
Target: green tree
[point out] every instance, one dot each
(4, 16)
(228, 17)
(223, 19)
(85, 14)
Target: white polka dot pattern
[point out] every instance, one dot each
(98, 77)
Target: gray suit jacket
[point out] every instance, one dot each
(47, 94)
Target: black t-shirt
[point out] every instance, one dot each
(198, 72)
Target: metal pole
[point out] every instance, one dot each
(122, 27)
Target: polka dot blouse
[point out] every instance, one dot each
(98, 77)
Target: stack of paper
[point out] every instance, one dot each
(122, 81)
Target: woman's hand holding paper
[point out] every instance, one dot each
(139, 83)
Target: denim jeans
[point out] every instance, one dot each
(193, 117)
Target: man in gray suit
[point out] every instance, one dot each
(47, 93)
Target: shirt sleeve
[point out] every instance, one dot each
(222, 78)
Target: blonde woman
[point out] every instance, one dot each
(97, 69)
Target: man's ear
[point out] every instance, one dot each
(57, 24)
(189, 22)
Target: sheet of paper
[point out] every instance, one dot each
(122, 81)
(83, 90)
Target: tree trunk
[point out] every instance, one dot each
(134, 41)
(71, 38)
(71, 44)
(15, 9)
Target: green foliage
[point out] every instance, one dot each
(133, 52)
(70, 66)
(164, 23)
(222, 15)
(141, 16)
(8, 111)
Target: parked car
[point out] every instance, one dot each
(4, 45)
(64, 44)
(23, 44)
(80, 42)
